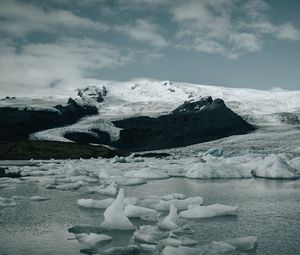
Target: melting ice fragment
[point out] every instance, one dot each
(197, 212)
(5, 202)
(243, 243)
(181, 250)
(110, 190)
(180, 204)
(38, 198)
(133, 211)
(149, 234)
(92, 238)
(170, 221)
(114, 215)
(127, 250)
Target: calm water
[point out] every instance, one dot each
(268, 209)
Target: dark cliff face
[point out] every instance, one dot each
(18, 124)
(190, 123)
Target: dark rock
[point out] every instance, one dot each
(25, 150)
(95, 136)
(17, 124)
(87, 230)
(190, 123)
(127, 250)
(9, 175)
(152, 155)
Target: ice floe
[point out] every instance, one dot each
(6, 202)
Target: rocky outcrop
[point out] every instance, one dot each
(190, 123)
(18, 123)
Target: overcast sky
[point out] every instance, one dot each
(236, 43)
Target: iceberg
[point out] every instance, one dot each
(275, 167)
(38, 198)
(114, 215)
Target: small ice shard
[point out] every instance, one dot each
(147, 173)
(38, 198)
(133, 211)
(45, 181)
(117, 159)
(114, 215)
(149, 234)
(92, 238)
(219, 247)
(180, 204)
(173, 196)
(148, 247)
(123, 181)
(5, 202)
(222, 210)
(215, 152)
(110, 190)
(170, 221)
(198, 212)
(176, 241)
(181, 250)
(92, 203)
(68, 186)
(127, 250)
(243, 243)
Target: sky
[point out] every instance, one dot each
(51, 45)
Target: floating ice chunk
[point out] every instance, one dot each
(213, 170)
(133, 211)
(198, 212)
(176, 241)
(292, 184)
(216, 152)
(92, 238)
(222, 210)
(147, 173)
(92, 203)
(170, 221)
(129, 181)
(275, 167)
(127, 250)
(110, 190)
(219, 247)
(38, 198)
(209, 211)
(5, 202)
(68, 186)
(181, 250)
(149, 234)
(243, 243)
(117, 159)
(173, 196)
(45, 181)
(180, 204)
(148, 247)
(114, 215)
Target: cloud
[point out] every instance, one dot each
(19, 19)
(229, 28)
(143, 31)
(61, 64)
